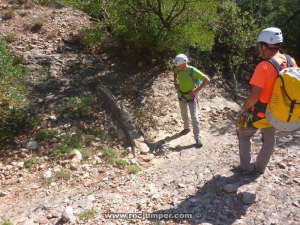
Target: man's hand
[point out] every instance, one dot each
(252, 99)
(243, 111)
(193, 92)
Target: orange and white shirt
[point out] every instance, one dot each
(265, 75)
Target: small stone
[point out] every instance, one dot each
(3, 193)
(52, 117)
(248, 198)
(181, 185)
(281, 165)
(47, 174)
(43, 166)
(146, 158)
(82, 126)
(73, 166)
(155, 207)
(121, 134)
(32, 145)
(229, 188)
(76, 156)
(151, 188)
(143, 148)
(20, 165)
(23, 155)
(55, 214)
(44, 221)
(193, 200)
(67, 215)
(296, 204)
(297, 180)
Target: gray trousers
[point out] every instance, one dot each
(194, 115)
(267, 149)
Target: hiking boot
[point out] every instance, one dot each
(199, 143)
(185, 131)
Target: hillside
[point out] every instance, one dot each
(172, 177)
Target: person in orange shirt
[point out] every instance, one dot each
(262, 82)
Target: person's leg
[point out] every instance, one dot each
(184, 114)
(195, 119)
(245, 148)
(267, 149)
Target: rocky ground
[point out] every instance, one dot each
(175, 176)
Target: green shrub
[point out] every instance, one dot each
(15, 113)
(38, 24)
(63, 175)
(110, 155)
(30, 162)
(68, 145)
(121, 163)
(96, 131)
(133, 169)
(85, 154)
(46, 181)
(49, 2)
(5, 222)
(124, 153)
(109, 152)
(147, 28)
(45, 134)
(78, 106)
(8, 14)
(9, 38)
(87, 214)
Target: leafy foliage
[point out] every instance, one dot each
(87, 214)
(78, 106)
(14, 107)
(30, 162)
(152, 27)
(45, 134)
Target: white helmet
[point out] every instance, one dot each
(271, 36)
(180, 59)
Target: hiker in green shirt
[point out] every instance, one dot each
(187, 84)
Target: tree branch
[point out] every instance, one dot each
(291, 18)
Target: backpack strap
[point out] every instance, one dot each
(197, 84)
(192, 76)
(289, 60)
(276, 64)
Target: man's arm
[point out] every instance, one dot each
(175, 82)
(252, 98)
(196, 90)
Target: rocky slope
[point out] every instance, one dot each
(175, 176)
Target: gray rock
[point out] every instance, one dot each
(76, 156)
(229, 188)
(248, 198)
(32, 145)
(181, 185)
(67, 215)
(121, 134)
(20, 164)
(143, 147)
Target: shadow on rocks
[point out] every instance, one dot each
(160, 147)
(212, 204)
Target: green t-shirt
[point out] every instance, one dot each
(185, 81)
